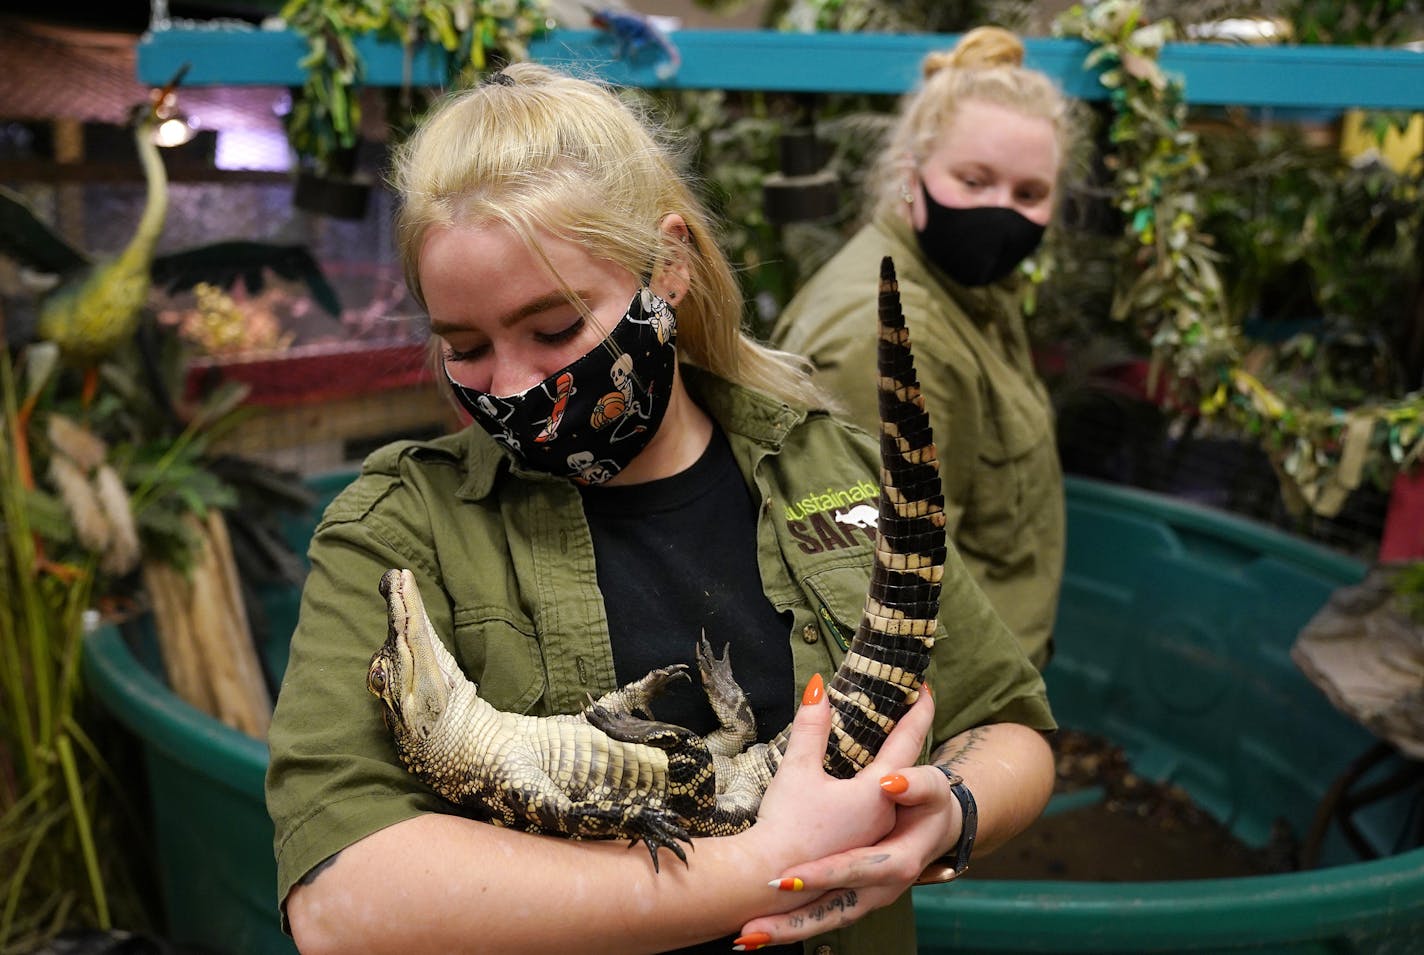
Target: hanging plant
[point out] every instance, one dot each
(1170, 288)
(324, 124)
(1359, 22)
(891, 16)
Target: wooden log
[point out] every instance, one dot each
(208, 621)
(244, 650)
(182, 660)
(239, 629)
(204, 633)
(232, 666)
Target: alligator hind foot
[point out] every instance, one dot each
(691, 770)
(627, 727)
(658, 829)
(737, 724)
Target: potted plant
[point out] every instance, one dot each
(324, 124)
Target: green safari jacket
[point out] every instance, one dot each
(991, 415)
(506, 567)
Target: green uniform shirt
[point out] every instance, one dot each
(992, 419)
(506, 567)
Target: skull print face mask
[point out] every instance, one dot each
(589, 420)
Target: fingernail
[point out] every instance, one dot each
(750, 942)
(928, 691)
(791, 884)
(814, 691)
(894, 783)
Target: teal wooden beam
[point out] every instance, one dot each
(1292, 77)
(235, 57)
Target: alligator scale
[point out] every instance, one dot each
(607, 772)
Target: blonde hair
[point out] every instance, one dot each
(538, 150)
(985, 65)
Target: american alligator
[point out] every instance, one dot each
(606, 773)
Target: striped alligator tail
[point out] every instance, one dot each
(885, 666)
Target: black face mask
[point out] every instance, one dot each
(976, 245)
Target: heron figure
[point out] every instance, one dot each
(92, 306)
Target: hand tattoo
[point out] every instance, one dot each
(835, 907)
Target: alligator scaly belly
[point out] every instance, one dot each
(607, 772)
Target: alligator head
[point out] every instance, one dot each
(412, 673)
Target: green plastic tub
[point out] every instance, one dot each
(216, 868)
(1173, 640)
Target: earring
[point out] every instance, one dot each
(905, 194)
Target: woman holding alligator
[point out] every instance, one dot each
(961, 194)
(571, 277)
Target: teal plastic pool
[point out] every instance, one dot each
(1173, 640)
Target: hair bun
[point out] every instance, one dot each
(980, 48)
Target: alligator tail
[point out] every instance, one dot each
(881, 675)
(885, 666)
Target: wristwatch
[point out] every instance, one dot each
(952, 864)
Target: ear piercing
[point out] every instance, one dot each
(905, 194)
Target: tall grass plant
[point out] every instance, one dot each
(58, 796)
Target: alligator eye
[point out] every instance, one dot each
(377, 682)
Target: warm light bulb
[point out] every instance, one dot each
(174, 131)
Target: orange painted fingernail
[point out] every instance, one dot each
(750, 942)
(928, 692)
(815, 690)
(894, 783)
(791, 884)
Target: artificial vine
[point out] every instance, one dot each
(1171, 290)
(325, 120)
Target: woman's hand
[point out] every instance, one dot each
(1008, 766)
(864, 844)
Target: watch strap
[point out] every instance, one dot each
(953, 864)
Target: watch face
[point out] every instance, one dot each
(938, 871)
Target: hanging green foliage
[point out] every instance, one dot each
(325, 120)
(1171, 289)
(893, 16)
(1357, 22)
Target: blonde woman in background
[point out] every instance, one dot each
(960, 196)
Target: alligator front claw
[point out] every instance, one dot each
(637, 697)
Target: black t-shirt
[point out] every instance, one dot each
(678, 556)
(675, 557)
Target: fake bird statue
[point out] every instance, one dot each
(87, 308)
(96, 305)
